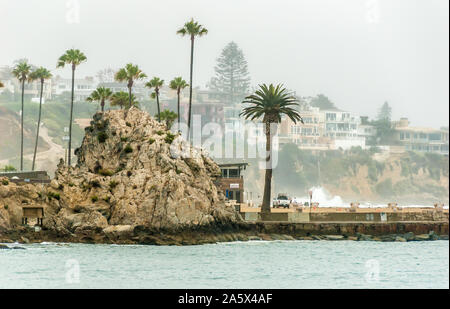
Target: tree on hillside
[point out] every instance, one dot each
(40, 74)
(385, 112)
(72, 57)
(270, 103)
(321, 101)
(101, 94)
(122, 99)
(192, 29)
(130, 73)
(168, 117)
(22, 72)
(178, 84)
(231, 74)
(156, 83)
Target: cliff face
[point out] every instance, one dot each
(358, 175)
(130, 172)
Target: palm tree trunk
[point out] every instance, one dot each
(178, 109)
(71, 116)
(38, 126)
(157, 103)
(268, 175)
(190, 88)
(129, 96)
(102, 104)
(21, 127)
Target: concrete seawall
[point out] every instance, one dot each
(347, 228)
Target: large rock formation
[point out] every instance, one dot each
(131, 172)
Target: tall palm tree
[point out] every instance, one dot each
(39, 74)
(270, 103)
(74, 57)
(192, 29)
(101, 94)
(156, 83)
(169, 117)
(129, 74)
(178, 84)
(22, 71)
(122, 99)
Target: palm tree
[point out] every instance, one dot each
(39, 74)
(156, 83)
(129, 74)
(122, 99)
(270, 103)
(178, 84)
(73, 57)
(101, 94)
(193, 29)
(169, 117)
(22, 71)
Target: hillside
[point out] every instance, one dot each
(10, 137)
(359, 175)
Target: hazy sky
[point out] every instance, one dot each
(357, 52)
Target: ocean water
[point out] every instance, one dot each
(255, 264)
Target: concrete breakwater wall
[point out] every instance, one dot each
(431, 215)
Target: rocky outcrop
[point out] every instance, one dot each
(131, 172)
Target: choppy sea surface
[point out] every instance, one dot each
(254, 264)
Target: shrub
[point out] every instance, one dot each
(5, 182)
(6, 207)
(128, 149)
(102, 136)
(169, 138)
(61, 187)
(159, 132)
(54, 195)
(113, 184)
(124, 139)
(94, 199)
(129, 173)
(128, 124)
(107, 199)
(151, 140)
(105, 172)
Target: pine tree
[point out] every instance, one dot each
(385, 112)
(231, 74)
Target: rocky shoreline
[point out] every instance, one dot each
(237, 232)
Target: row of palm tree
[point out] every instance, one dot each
(269, 103)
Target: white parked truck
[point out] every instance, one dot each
(282, 200)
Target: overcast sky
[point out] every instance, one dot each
(359, 53)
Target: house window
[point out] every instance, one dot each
(233, 173)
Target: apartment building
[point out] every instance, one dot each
(421, 138)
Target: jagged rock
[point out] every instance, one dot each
(131, 171)
(409, 236)
(433, 236)
(334, 237)
(422, 237)
(400, 239)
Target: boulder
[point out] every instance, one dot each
(131, 171)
